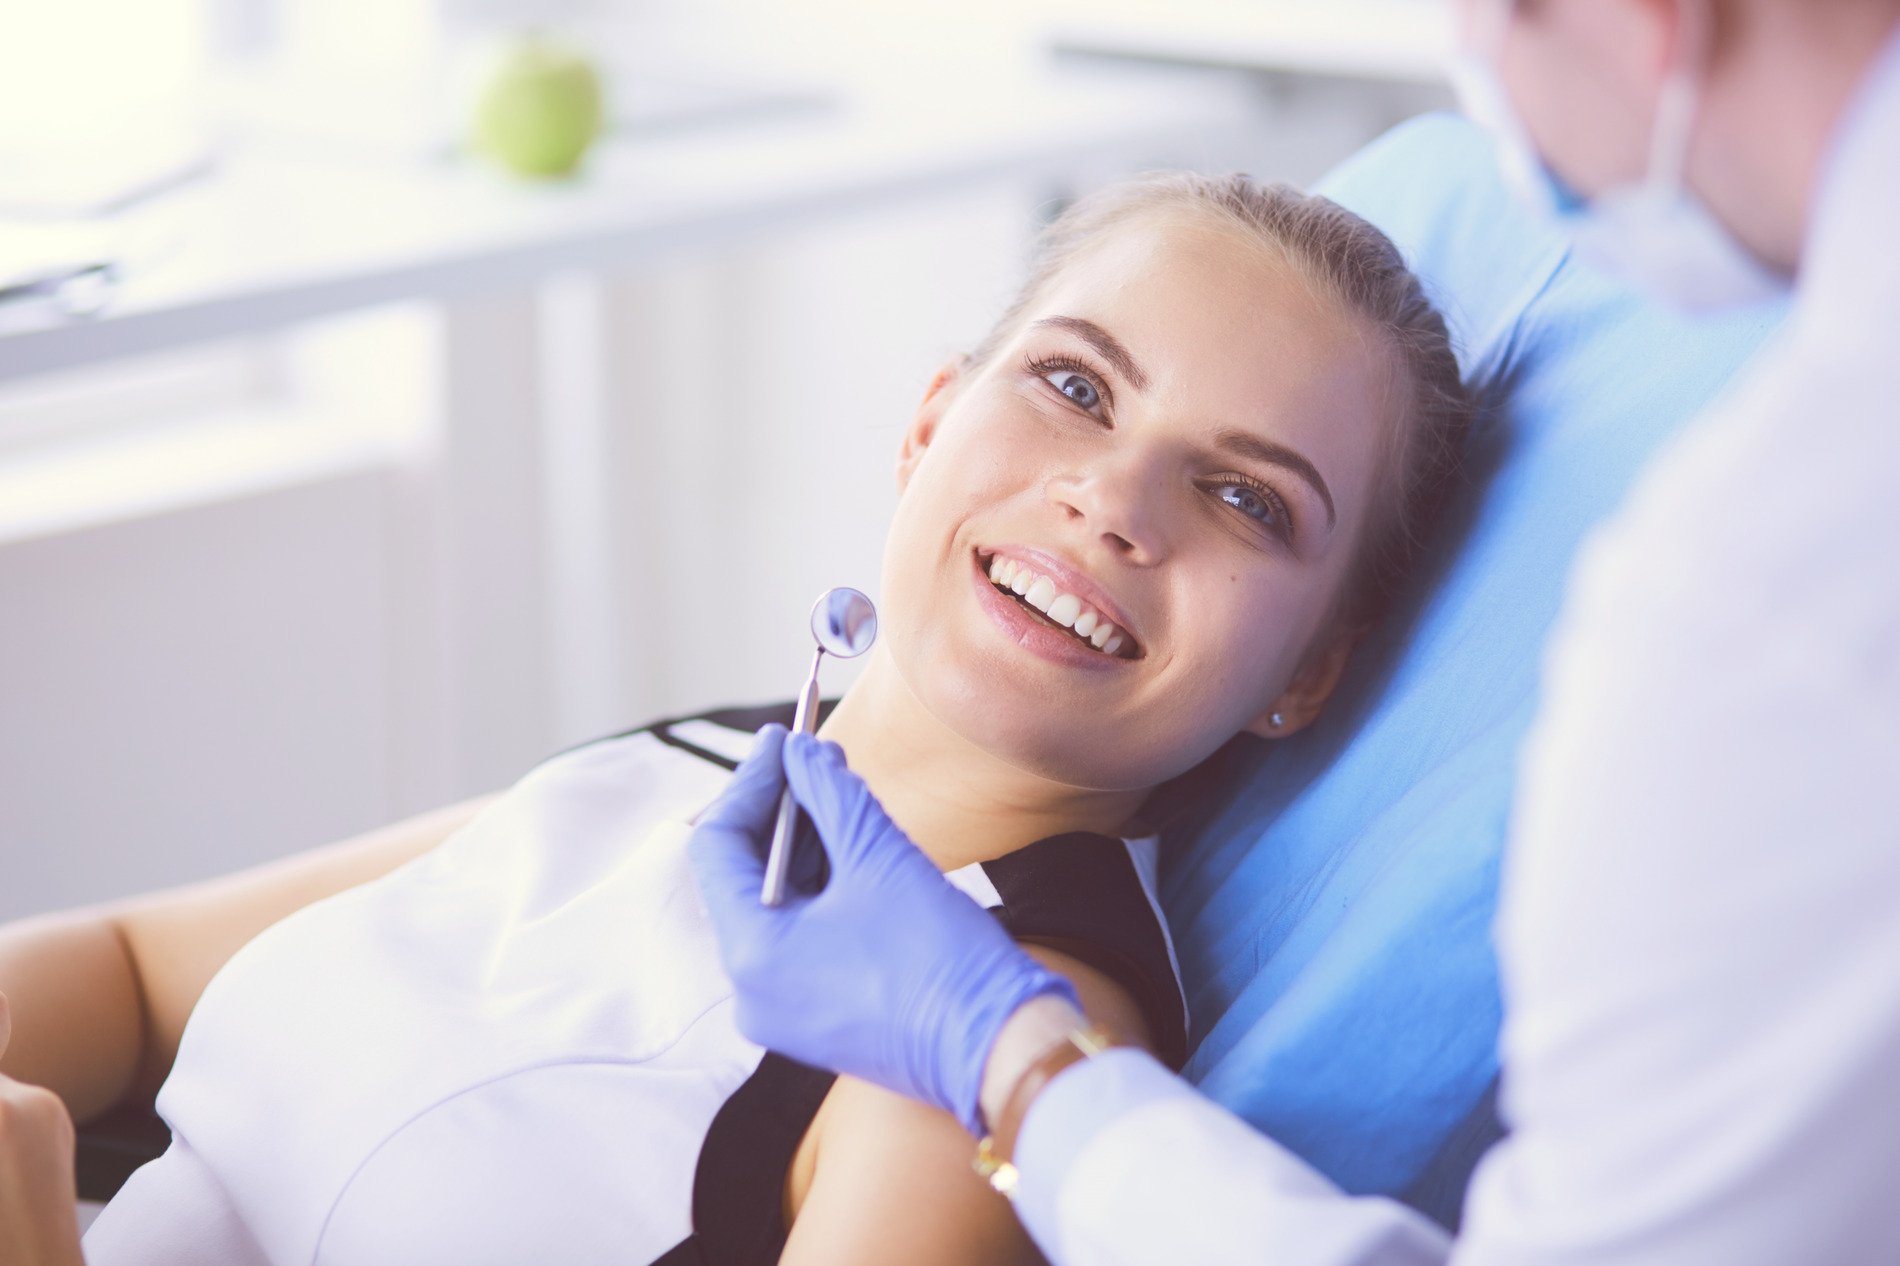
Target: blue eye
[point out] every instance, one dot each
(1249, 502)
(1076, 388)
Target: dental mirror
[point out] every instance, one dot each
(843, 624)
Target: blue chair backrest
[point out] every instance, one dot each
(1333, 905)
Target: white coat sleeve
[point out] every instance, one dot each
(1124, 1164)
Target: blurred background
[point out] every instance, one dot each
(352, 461)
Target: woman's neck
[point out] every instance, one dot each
(958, 802)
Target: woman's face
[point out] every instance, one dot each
(1179, 441)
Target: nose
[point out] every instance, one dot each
(1116, 502)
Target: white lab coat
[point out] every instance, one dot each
(1700, 919)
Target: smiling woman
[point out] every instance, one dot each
(1156, 508)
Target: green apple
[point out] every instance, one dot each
(540, 109)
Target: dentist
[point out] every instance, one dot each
(1700, 922)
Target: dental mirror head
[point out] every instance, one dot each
(843, 623)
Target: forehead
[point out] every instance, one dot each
(1224, 325)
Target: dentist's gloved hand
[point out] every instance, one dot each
(891, 973)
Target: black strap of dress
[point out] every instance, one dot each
(1078, 893)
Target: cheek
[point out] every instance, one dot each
(1238, 638)
(1573, 90)
(970, 472)
(1248, 631)
(982, 458)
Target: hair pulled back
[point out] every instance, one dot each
(1349, 262)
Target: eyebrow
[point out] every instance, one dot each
(1241, 444)
(1102, 341)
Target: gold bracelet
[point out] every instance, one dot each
(993, 1150)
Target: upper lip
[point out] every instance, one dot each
(1068, 579)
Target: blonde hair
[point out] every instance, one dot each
(1351, 263)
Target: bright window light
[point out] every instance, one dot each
(87, 72)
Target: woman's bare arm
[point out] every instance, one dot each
(880, 1178)
(100, 996)
(37, 1227)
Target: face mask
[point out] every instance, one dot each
(1655, 234)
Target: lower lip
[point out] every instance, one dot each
(1031, 633)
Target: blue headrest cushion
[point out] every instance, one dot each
(1333, 903)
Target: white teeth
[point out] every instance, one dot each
(1061, 608)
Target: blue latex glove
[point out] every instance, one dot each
(891, 973)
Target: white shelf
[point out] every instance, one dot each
(271, 240)
(1400, 41)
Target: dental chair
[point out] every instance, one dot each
(1331, 894)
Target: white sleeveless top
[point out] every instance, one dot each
(508, 1050)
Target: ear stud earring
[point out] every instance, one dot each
(1277, 720)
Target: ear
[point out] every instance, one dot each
(923, 427)
(1304, 698)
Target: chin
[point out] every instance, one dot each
(1034, 730)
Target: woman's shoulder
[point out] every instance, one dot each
(561, 928)
(535, 862)
(1093, 898)
(576, 867)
